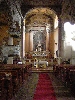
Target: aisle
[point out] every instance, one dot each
(44, 89)
(26, 92)
(61, 91)
(41, 88)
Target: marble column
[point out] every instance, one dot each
(22, 39)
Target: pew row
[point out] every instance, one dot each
(12, 76)
(66, 73)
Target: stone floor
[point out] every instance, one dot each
(26, 92)
(62, 92)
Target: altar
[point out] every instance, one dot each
(43, 64)
(40, 64)
(40, 60)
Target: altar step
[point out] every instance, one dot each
(48, 69)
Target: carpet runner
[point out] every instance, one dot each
(44, 89)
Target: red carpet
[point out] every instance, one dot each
(44, 89)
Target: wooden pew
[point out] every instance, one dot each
(71, 72)
(66, 73)
(18, 72)
(21, 68)
(6, 90)
(2, 89)
(13, 80)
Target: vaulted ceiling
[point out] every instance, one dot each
(34, 10)
(40, 16)
(54, 4)
(19, 8)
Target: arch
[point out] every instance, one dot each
(38, 13)
(32, 18)
(37, 9)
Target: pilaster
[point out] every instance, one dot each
(61, 39)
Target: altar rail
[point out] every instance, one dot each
(12, 76)
(66, 73)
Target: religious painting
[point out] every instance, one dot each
(39, 41)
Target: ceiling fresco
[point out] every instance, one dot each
(29, 4)
(34, 10)
(41, 16)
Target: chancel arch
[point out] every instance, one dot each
(40, 27)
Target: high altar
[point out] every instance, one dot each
(40, 59)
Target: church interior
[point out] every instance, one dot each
(37, 40)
